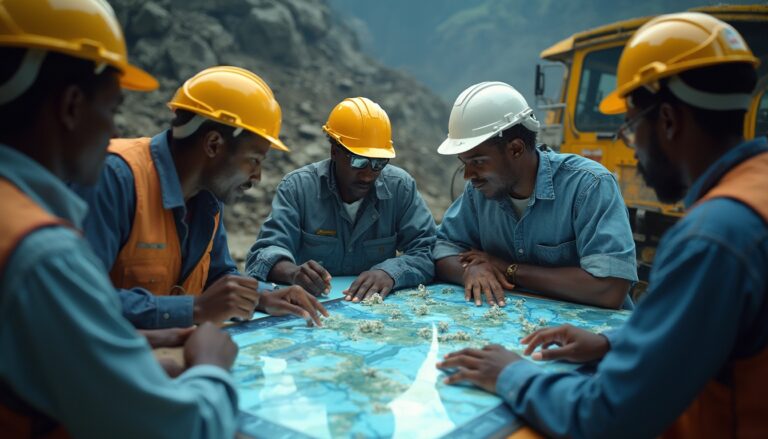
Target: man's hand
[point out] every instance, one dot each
(473, 257)
(210, 345)
(228, 297)
(480, 367)
(167, 338)
(368, 284)
(576, 345)
(313, 277)
(293, 300)
(483, 278)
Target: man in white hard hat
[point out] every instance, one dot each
(691, 361)
(529, 218)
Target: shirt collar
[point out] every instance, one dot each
(170, 185)
(326, 173)
(725, 163)
(42, 186)
(545, 188)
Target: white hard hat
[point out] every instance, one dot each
(482, 111)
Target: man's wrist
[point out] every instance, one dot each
(259, 297)
(511, 273)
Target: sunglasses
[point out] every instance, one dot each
(360, 162)
(627, 130)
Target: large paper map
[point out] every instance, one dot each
(370, 371)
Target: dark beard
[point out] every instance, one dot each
(661, 175)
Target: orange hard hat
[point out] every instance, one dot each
(233, 96)
(361, 126)
(85, 29)
(671, 44)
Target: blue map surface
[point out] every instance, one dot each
(370, 371)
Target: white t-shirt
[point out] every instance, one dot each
(352, 208)
(519, 205)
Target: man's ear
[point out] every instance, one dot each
(334, 153)
(515, 148)
(71, 106)
(213, 144)
(670, 121)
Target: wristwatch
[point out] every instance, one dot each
(511, 272)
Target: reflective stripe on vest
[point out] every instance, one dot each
(737, 408)
(17, 418)
(151, 257)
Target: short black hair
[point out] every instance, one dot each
(720, 79)
(518, 132)
(57, 72)
(181, 117)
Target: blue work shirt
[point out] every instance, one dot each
(575, 217)
(112, 204)
(706, 305)
(68, 352)
(308, 221)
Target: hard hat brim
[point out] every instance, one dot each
(458, 146)
(613, 104)
(275, 143)
(134, 78)
(374, 153)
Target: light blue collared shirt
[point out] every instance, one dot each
(706, 306)
(309, 222)
(65, 348)
(112, 207)
(575, 218)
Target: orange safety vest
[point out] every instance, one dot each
(151, 258)
(17, 418)
(737, 408)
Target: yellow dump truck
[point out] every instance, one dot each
(574, 124)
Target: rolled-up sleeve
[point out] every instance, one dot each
(415, 239)
(279, 237)
(458, 231)
(603, 234)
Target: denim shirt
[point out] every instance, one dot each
(112, 204)
(68, 352)
(576, 217)
(705, 306)
(308, 221)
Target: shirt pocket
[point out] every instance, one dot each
(152, 277)
(558, 255)
(378, 250)
(322, 249)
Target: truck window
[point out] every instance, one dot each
(761, 116)
(754, 34)
(598, 79)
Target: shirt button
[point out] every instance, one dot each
(520, 251)
(166, 316)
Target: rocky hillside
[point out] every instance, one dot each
(310, 58)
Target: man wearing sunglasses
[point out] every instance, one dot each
(348, 215)
(551, 223)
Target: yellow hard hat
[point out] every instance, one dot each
(85, 29)
(671, 44)
(361, 126)
(235, 97)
